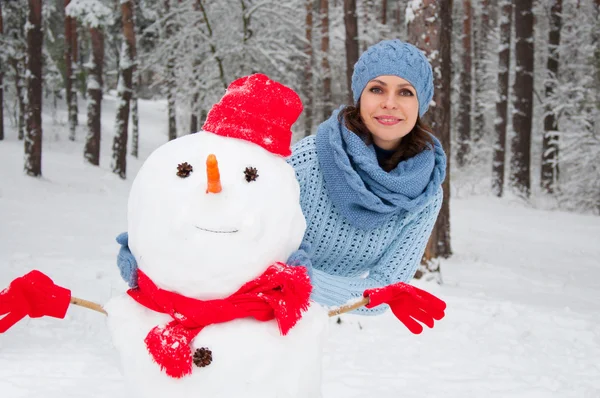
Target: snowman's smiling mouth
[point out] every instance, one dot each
(215, 231)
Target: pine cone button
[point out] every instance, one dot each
(202, 357)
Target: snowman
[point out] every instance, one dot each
(212, 217)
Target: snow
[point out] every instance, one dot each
(522, 290)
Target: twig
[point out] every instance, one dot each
(348, 307)
(88, 304)
(332, 312)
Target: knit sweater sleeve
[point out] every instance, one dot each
(398, 264)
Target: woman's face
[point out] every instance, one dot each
(389, 108)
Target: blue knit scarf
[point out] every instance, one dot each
(365, 194)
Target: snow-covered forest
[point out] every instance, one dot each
(517, 100)
(89, 88)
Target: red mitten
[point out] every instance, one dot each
(409, 304)
(33, 294)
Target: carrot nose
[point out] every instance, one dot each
(212, 172)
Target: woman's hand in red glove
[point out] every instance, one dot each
(409, 304)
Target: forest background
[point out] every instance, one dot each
(517, 101)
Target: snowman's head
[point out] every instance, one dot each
(188, 238)
(204, 242)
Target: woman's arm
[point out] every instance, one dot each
(398, 264)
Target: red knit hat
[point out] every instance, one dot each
(256, 109)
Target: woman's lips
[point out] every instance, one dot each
(387, 120)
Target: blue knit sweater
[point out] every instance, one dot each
(349, 256)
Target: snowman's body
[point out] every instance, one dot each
(250, 359)
(206, 246)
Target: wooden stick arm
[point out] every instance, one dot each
(332, 312)
(348, 307)
(88, 304)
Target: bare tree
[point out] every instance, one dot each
(550, 170)
(95, 82)
(324, 11)
(70, 61)
(126, 67)
(33, 137)
(308, 69)
(500, 124)
(431, 31)
(351, 42)
(464, 105)
(523, 101)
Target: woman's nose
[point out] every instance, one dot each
(389, 102)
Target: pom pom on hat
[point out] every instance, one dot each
(256, 109)
(395, 58)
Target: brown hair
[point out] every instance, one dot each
(415, 142)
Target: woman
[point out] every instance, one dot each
(370, 181)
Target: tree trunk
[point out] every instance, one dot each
(383, 12)
(171, 84)
(1, 83)
(502, 99)
(431, 31)
(70, 80)
(351, 42)
(550, 170)
(119, 165)
(194, 114)
(33, 138)
(308, 67)
(91, 152)
(480, 49)
(17, 64)
(464, 105)
(135, 120)
(523, 107)
(327, 105)
(367, 8)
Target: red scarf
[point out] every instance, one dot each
(282, 292)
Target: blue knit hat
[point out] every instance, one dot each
(396, 58)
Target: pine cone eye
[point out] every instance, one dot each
(251, 174)
(184, 169)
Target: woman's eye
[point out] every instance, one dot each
(376, 90)
(250, 174)
(184, 169)
(406, 93)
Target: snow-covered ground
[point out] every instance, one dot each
(522, 288)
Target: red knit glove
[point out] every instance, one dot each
(410, 304)
(33, 294)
